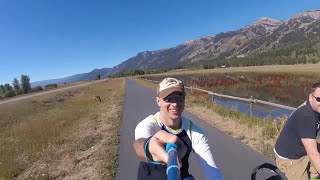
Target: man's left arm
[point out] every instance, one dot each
(307, 127)
(312, 152)
(138, 147)
(204, 155)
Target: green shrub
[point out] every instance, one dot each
(36, 89)
(19, 91)
(9, 94)
(51, 86)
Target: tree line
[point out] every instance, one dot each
(301, 53)
(24, 87)
(137, 72)
(17, 88)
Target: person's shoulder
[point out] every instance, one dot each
(191, 126)
(303, 112)
(148, 118)
(151, 119)
(304, 109)
(147, 127)
(302, 106)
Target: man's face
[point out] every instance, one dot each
(172, 106)
(314, 99)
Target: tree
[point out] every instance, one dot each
(50, 86)
(36, 89)
(15, 84)
(2, 89)
(98, 77)
(25, 83)
(8, 91)
(7, 88)
(9, 94)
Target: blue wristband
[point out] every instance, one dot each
(145, 151)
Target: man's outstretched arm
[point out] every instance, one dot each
(156, 147)
(138, 146)
(204, 155)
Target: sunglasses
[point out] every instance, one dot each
(174, 98)
(317, 98)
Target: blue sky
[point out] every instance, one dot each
(48, 39)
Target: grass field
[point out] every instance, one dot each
(66, 134)
(59, 86)
(286, 85)
(301, 68)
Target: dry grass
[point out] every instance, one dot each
(300, 68)
(68, 134)
(258, 134)
(60, 86)
(72, 84)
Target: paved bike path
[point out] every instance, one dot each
(235, 159)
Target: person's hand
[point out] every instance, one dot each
(157, 147)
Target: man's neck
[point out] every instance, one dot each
(171, 123)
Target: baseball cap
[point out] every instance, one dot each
(168, 86)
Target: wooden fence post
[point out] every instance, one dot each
(251, 106)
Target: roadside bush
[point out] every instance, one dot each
(19, 91)
(36, 89)
(51, 86)
(270, 131)
(9, 94)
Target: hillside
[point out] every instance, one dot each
(104, 72)
(262, 36)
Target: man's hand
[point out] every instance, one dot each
(157, 146)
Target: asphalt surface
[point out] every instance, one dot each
(235, 159)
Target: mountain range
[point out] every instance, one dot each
(259, 37)
(104, 72)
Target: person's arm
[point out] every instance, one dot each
(138, 146)
(204, 155)
(145, 129)
(312, 152)
(156, 147)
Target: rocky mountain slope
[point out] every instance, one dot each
(260, 36)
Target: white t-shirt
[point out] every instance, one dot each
(152, 124)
